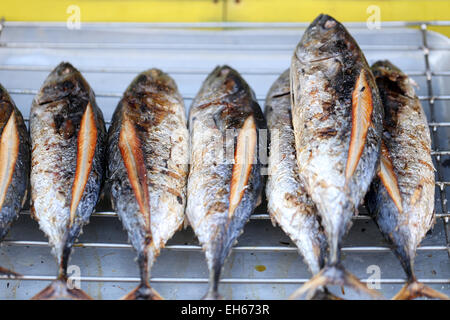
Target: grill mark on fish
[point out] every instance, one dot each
(243, 161)
(362, 108)
(389, 178)
(130, 149)
(164, 170)
(87, 142)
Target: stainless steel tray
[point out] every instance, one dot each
(110, 55)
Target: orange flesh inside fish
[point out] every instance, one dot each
(87, 141)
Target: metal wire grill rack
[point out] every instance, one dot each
(110, 55)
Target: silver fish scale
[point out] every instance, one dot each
(260, 52)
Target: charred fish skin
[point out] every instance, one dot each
(14, 163)
(337, 119)
(225, 179)
(288, 202)
(401, 199)
(148, 157)
(68, 137)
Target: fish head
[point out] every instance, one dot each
(64, 81)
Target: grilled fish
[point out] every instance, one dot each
(148, 157)
(401, 199)
(14, 164)
(225, 181)
(288, 202)
(337, 119)
(67, 167)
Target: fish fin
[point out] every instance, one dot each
(415, 289)
(333, 275)
(143, 292)
(213, 295)
(9, 273)
(58, 290)
(325, 295)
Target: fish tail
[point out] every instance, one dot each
(59, 290)
(333, 275)
(9, 273)
(143, 292)
(414, 289)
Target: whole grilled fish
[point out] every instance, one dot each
(148, 157)
(288, 203)
(337, 115)
(67, 167)
(225, 181)
(14, 164)
(402, 194)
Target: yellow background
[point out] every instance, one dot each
(224, 10)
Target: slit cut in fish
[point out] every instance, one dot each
(337, 120)
(14, 165)
(362, 107)
(68, 157)
(130, 149)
